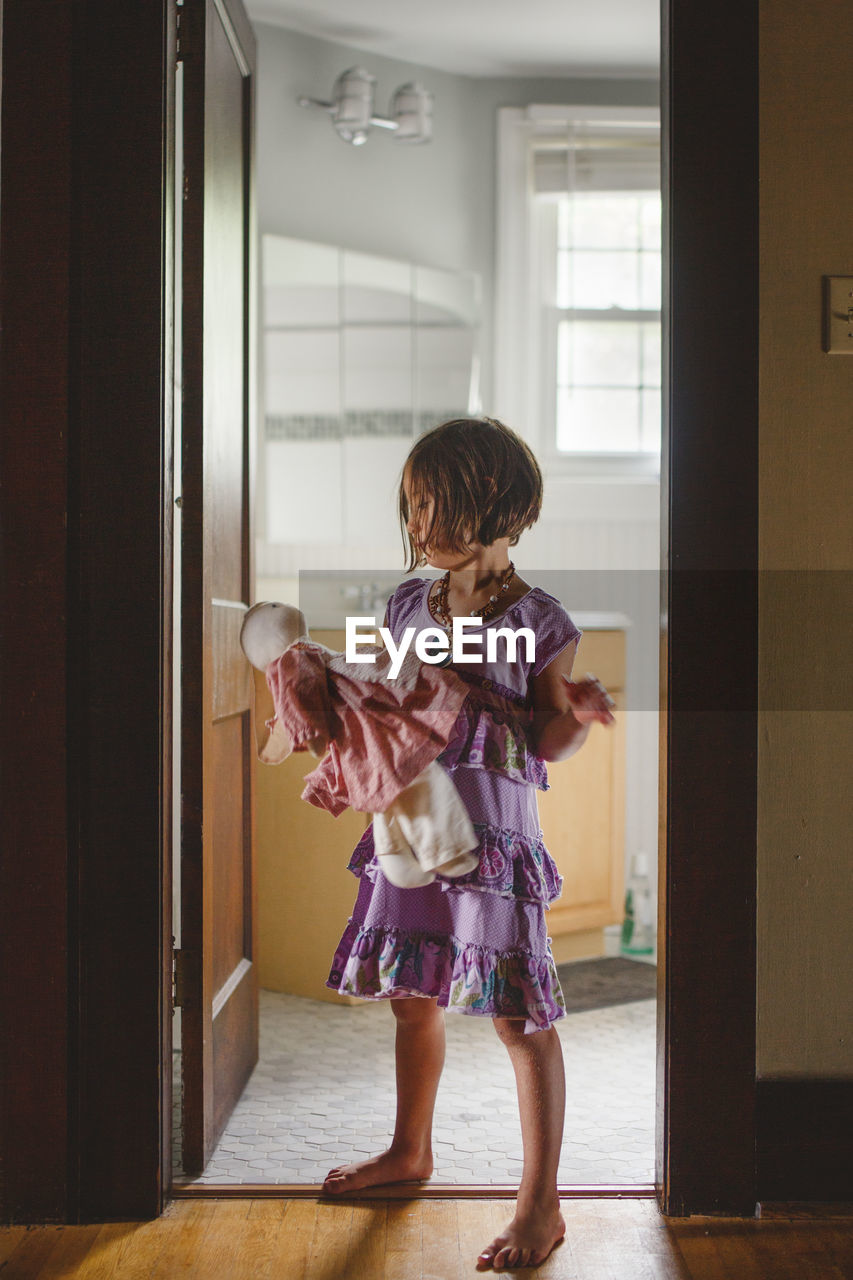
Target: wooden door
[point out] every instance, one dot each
(217, 971)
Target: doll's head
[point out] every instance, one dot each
(268, 629)
(469, 480)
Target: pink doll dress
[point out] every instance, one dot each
(381, 732)
(479, 942)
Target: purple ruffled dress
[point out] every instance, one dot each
(478, 943)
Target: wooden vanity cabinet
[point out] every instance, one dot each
(583, 815)
(305, 893)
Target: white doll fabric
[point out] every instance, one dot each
(426, 829)
(268, 628)
(424, 832)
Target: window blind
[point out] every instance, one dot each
(590, 162)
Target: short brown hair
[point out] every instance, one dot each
(483, 478)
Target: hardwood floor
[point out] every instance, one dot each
(238, 1239)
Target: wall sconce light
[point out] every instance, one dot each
(352, 113)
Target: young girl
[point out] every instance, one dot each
(478, 944)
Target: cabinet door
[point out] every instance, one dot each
(583, 813)
(306, 893)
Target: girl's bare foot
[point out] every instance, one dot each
(527, 1240)
(390, 1166)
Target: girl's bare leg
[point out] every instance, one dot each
(420, 1058)
(537, 1060)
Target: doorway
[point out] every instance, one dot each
(696, 581)
(102, 1152)
(432, 327)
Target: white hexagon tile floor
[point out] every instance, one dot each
(323, 1093)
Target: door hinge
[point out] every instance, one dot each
(181, 968)
(179, 31)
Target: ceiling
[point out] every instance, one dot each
(531, 38)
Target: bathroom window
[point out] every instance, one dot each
(606, 319)
(578, 317)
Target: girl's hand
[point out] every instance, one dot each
(589, 700)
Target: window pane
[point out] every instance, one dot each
(595, 421)
(598, 353)
(651, 355)
(608, 260)
(650, 281)
(650, 221)
(564, 279)
(606, 221)
(564, 214)
(651, 413)
(603, 280)
(564, 353)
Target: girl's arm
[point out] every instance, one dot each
(564, 709)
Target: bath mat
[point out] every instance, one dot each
(594, 984)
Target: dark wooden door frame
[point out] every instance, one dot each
(86, 291)
(121, 485)
(709, 634)
(86, 296)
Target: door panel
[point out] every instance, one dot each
(218, 931)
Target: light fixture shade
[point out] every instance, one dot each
(353, 104)
(411, 109)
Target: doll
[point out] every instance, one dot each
(377, 740)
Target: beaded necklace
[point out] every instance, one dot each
(442, 612)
